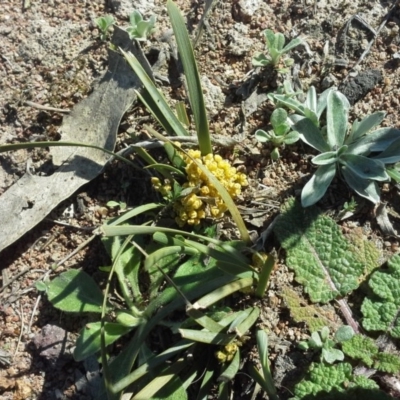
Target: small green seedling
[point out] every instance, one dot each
(311, 108)
(140, 29)
(275, 43)
(320, 341)
(104, 24)
(281, 133)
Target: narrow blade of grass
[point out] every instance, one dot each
(158, 103)
(195, 91)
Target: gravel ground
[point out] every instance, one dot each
(51, 56)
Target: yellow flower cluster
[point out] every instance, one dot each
(205, 200)
(227, 353)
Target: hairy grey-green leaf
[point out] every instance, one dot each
(318, 253)
(381, 313)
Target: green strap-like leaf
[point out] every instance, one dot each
(318, 253)
(157, 98)
(195, 91)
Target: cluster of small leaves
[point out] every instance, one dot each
(139, 28)
(312, 107)
(275, 43)
(321, 341)
(104, 24)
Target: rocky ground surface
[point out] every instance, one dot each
(51, 57)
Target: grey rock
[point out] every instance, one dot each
(53, 345)
(357, 88)
(238, 42)
(124, 8)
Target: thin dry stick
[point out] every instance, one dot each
(46, 108)
(21, 315)
(24, 271)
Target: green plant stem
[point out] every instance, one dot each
(31, 145)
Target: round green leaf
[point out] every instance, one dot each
(344, 333)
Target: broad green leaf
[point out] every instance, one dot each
(88, 342)
(317, 252)
(126, 318)
(311, 135)
(317, 186)
(364, 167)
(336, 117)
(195, 91)
(75, 291)
(381, 312)
(394, 172)
(314, 316)
(364, 187)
